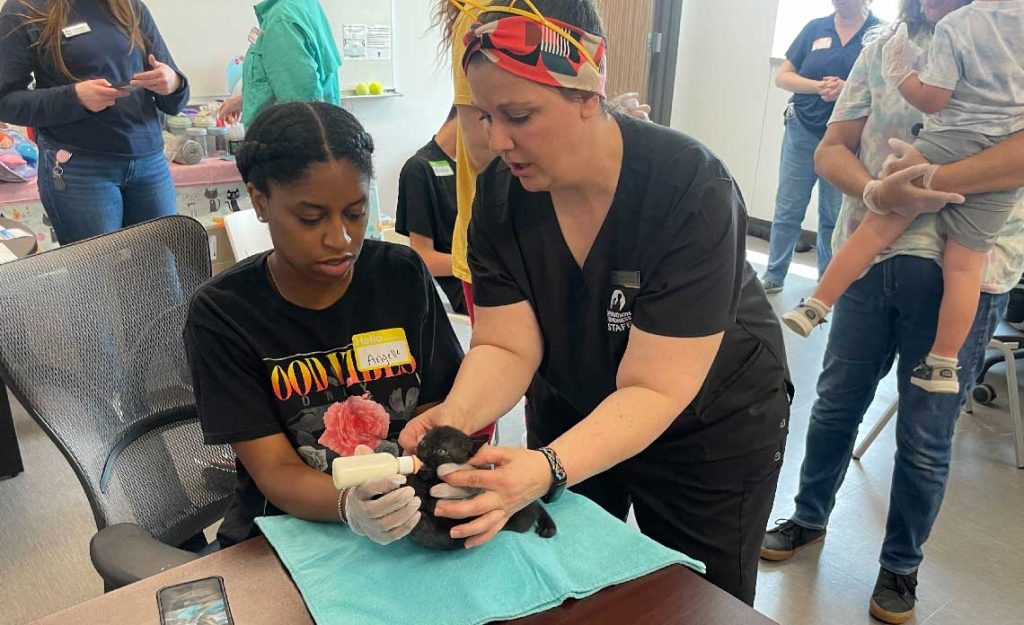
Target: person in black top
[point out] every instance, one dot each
(279, 338)
(101, 72)
(816, 68)
(611, 286)
(427, 208)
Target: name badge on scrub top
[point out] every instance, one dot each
(254, 34)
(76, 29)
(823, 43)
(383, 348)
(442, 169)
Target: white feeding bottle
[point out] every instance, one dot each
(357, 470)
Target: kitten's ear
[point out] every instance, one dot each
(478, 441)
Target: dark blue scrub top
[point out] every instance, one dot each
(816, 53)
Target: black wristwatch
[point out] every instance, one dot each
(558, 477)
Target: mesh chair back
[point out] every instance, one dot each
(91, 345)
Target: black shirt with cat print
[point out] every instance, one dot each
(263, 366)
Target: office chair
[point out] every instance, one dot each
(91, 345)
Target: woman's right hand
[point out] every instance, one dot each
(230, 107)
(417, 428)
(900, 193)
(97, 95)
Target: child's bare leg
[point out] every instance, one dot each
(872, 236)
(961, 278)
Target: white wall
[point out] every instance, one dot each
(400, 126)
(725, 94)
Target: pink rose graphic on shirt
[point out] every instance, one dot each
(356, 421)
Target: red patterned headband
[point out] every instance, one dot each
(538, 51)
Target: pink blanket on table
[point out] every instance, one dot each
(211, 171)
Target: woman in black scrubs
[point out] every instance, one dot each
(608, 266)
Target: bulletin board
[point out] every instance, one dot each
(206, 36)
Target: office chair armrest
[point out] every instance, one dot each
(125, 553)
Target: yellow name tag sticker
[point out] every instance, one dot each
(383, 348)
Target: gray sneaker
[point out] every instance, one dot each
(786, 538)
(894, 597)
(771, 286)
(935, 379)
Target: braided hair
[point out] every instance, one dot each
(287, 138)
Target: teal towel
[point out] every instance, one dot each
(345, 578)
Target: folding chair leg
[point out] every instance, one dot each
(876, 429)
(1013, 397)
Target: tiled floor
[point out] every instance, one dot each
(973, 571)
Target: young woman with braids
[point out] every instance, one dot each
(102, 71)
(271, 340)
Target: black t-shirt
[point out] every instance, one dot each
(263, 366)
(669, 258)
(427, 207)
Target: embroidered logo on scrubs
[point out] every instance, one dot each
(625, 284)
(619, 319)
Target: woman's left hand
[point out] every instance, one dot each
(831, 89)
(520, 477)
(161, 79)
(904, 156)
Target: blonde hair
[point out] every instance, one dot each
(54, 18)
(445, 16)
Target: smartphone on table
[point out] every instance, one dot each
(199, 602)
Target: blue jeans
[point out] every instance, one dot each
(103, 193)
(796, 181)
(891, 311)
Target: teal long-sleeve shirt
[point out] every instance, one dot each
(295, 58)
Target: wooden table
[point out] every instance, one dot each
(10, 454)
(259, 591)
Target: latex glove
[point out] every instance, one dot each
(447, 491)
(905, 155)
(387, 518)
(899, 194)
(629, 103)
(899, 55)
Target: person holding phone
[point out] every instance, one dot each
(102, 72)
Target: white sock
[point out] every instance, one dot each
(940, 361)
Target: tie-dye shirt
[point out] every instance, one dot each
(867, 95)
(978, 54)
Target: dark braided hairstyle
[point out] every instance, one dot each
(287, 138)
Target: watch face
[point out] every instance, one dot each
(558, 476)
(555, 493)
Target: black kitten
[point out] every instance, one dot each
(441, 446)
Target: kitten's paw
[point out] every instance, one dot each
(546, 526)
